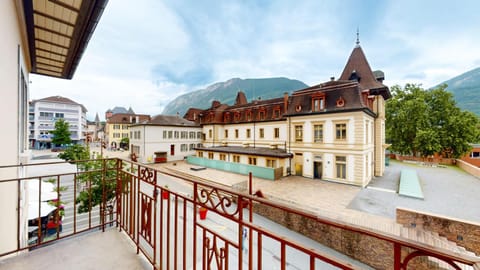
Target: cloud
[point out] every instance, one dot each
(147, 56)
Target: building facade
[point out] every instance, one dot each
(331, 131)
(47, 111)
(33, 46)
(117, 126)
(474, 156)
(164, 138)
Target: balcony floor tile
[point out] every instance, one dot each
(95, 250)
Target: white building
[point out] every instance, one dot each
(164, 138)
(48, 110)
(47, 45)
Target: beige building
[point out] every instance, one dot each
(117, 126)
(332, 131)
(34, 39)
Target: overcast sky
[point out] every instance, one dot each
(144, 53)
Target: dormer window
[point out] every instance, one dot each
(354, 76)
(249, 115)
(211, 117)
(261, 114)
(236, 116)
(318, 102)
(226, 117)
(276, 112)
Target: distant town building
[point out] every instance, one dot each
(474, 156)
(331, 131)
(45, 112)
(117, 126)
(164, 138)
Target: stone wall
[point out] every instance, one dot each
(367, 249)
(469, 168)
(464, 233)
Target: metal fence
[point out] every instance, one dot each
(178, 222)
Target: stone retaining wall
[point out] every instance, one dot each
(465, 233)
(469, 168)
(369, 250)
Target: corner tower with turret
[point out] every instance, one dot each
(370, 83)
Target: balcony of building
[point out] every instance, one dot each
(113, 213)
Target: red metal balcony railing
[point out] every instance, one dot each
(164, 215)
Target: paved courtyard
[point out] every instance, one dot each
(448, 191)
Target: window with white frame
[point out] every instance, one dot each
(183, 147)
(318, 133)
(276, 133)
(298, 133)
(341, 131)
(341, 167)
(271, 163)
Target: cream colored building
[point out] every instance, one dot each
(117, 125)
(332, 131)
(165, 138)
(27, 46)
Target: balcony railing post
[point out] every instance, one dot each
(103, 207)
(397, 256)
(195, 200)
(119, 190)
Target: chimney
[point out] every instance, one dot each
(285, 102)
(332, 78)
(137, 118)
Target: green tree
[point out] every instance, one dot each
(425, 122)
(61, 133)
(97, 176)
(75, 152)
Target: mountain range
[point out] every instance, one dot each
(465, 88)
(226, 92)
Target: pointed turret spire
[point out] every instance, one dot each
(358, 69)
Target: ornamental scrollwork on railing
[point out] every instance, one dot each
(219, 201)
(213, 252)
(147, 175)
(146, 218)
(419, 253)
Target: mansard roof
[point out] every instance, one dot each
(125, 118)
(338, 96)
(168, 120)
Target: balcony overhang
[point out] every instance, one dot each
(58, 33)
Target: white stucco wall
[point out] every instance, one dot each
(14, 57)
(151, 140)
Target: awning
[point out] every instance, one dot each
(58, 33)
(45, 209)
(48, 191)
